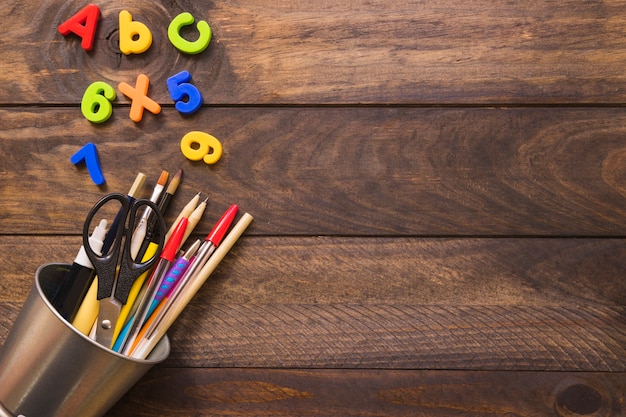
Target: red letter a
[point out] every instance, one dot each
(83, 24)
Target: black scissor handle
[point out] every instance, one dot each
(106, 263)
(131, 269)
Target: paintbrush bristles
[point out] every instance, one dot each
(175, 182)
(163, 178)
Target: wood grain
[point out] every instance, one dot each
(299, 392)
(438, 192)
(346, 171)
(402, 337)
(534, 304)
(528, 272)
(417, 52)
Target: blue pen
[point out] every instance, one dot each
(173, 276)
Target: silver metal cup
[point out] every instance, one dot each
(49, 369)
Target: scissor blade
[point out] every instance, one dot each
(108, 313)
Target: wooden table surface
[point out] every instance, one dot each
(438, 187)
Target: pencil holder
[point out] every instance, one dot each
(49, 369)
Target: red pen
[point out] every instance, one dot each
(212, 241)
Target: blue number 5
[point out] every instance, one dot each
(180, 89)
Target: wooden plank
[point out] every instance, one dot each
(301, 392)
(347, 171)
(534, 304)
(415, 252)
(418, 52)
(408, 271)
(580, 338)
(349, 336)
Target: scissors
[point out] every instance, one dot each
(116, 269)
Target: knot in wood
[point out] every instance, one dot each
(579, 400)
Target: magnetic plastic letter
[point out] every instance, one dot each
(182, 44)
(207, 147)
(89, 154)
(180, 88)
(139, 97)
(83, 24)
(135, 37)
(96, 104)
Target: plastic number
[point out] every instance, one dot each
(198, 146)
(96, 104)
(89, 155)
(180, 88)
